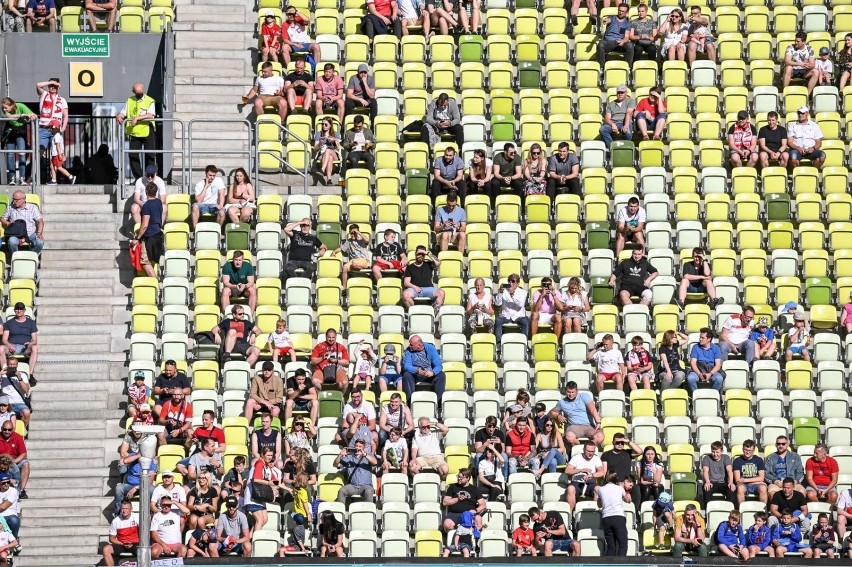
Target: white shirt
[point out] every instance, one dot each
(578, 300)
(490, 468)
(579, 462)
(824, 65)
(514, 304)
(212, 196)
(737, 333)
(142, 182)
(365, 409)
(176, 493)
(609, 361)
(804, 135)
(10, 495)
(167, 527)
(150, 110)
(612, 500)
(428, 445)
(409, 9)
(845, 500)
(802, 338)
(269, 86)
(280, 340)
(625, 217)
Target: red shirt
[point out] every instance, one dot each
(648, 108)
(14, 446)
(216, 433)
(180, 413)
(520, 443)
(523, 537)
(324, 351)
(822, 471)
(125, 531)
(273, 33)
(383, 7)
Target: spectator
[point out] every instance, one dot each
(382, 18)
(551, 449)
(563, 172)
(140, 195)
(358, 142)
(167, 382)
(844, 512)
(331, 534)
(150, 234)
(232, 532)
(551, 533)
(442, 117)
(480, 178)
(584, 469)
(451, 220)
(616, 37)
(395, 452)
(41, 13)
(206, 460)
(621, 459)
(176, 417)
(742, 140)
(299, 85)
(788, 498)
(491, 477)
(238, 281)
(394, 415)
(634, 276)
(736, 331)
(303, 246)
(705, 361)
(731, 538)
(414, 13)
(675, 31)
(357, 469)
(470, 16)
(799, 62)
(577, 412)
(749, 473)
(781, 464)
(270, 34)
(14, 386)
(700, 40)
(591, 7)
(123, 534)
(844, 62)
(512, 300)
(535, 171)
(441, 15)
(697, 278)
(364, 412)
(139, 111)
(300, 436)
(20, 337)
(13, 16)
(426, 450)
(758, 536)
(19, 115)
(576, 303)
(269, 91)
(280, 343)
(138, 395)
(548, 304)
(240, 336)
(264, 474)
(208, 429)
(631, 225)
(295, 39)
(520, 410)
(209, 196)
(236, 480)
(490, 437)
(361, 91)
(356, 248)
(448, 173)
(611, 499)
(301, 396)
(508, 172)
(57, 158)
(717, 474)
(689, 533)
(100, 168)
(267, 391)
(799, 338)
(389, 255)
(390, 370)
(643, 36)
(327, 142)
(203, 502)
(639, 364)
(299, 462)
(670, 371)
(821, 473)
(662, 509)
(772, 141)
(461, 497)
(329, 89)
(166, 532)
(169, 489)
(521, 448)
(128, 465)
(822, 537)
(53, 109)
(239, 203)
(523, 538)
(330, 361)
(422, 363)
(764, 340)
(29, 214)
(823, 68)
(479, 310)
(418, 280)
(787, 537)
(618, 116)
(651, 112)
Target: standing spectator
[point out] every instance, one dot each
(330, 361)
(41, 13)
(643, 35)
(611, 499)
(53, 109)
(576, 303)
(357, 468)
(742, 141)
(764, 340)
(609, 362)
(270, 33)
(651, 112)
(140, 196)
(577, 412)
(57, 158)
(463, 497)
(329, 89)
(269, 91)
(451, 223)
(422, 363)
(844, 62)
(442, 117)
(15, 130)
(30, 215)
(781, 464)
(140, 109)
(426, 450)
(418, 280)
(357, 253)
(551, 533)
(267, 392)
(772, 141)
(240, 336)
(358, 142)
(548, 304)
(799, 338)
(512, 299)
(749, 473)
(700, 40)
(210, 196)
(361, 91)
(123, 534)
(382, 18)
(479, 310)
(788, 498)
(675, 32)
(299, 86)
(697, 278)
(821, 473)
(717, 474)
(166, 532)
(480, 178)
(799, 62)
(447, 174)
(689, 533)
(508, 171)
(303, 246)
(389, 255)
(327, 141)
(535, 171)
(295, 38)
(618, 116)
(630, 225)
(100, 168)
(238, 282)
(736, 331)
(584, 469)
(616, 37)
(634, 276)
(705, 361)
(563, 172)
(670, 371)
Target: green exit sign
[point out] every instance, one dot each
(85, 45)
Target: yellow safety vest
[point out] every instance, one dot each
(141, 129)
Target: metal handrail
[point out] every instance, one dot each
(289, 134)
(125, 152)
(33, 151)
(250, 153)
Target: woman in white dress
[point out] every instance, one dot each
(576, 306)
(674, 29)
(480, 311)
(240, 203)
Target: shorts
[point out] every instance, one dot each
(173, 548)
(584, 489)
(651, 122)
(284, 351)
(816, 154)
(237, 293)
(823, 546)
(412, 21)
(794, 547)
(358, 264)
(432, 462)
(252, 508)
(799, 72)
(56, 161)
(821, 487)
(270, 100)
(22, 349)
(424, 293)
(609, 375)
(562, 544)
(391, 380)
(586, 431)
(636, 291)
(461, 546)
(305, 406)
(242, 347)
(208, 209)
(797, 349)
(300, 98)
(545, 318)
(238, 549)
(695, 288)
(455, 517)
(300, 47)
(19, 408)
(753, 487)
(121, 550)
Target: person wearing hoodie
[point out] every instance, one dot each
(758, 536)
(787, 537)
(731, 539)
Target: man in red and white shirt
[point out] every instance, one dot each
(12, 444)
(295, 38)
(742, 139)
(330, 360)
(123, 534)
(734, 338)
(52, 110)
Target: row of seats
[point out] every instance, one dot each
(132, 18)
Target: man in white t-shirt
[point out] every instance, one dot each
(426, 450)
(610, 363)
(269, 90)
(166, 540)
(734, 338)
(209, 196)
(584, 469)
(10, 508)
(168, 489)
(631, 225)
(804, 138)
(139, 196)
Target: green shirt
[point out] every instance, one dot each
(19, 109)
(507, 168)
(240, 276)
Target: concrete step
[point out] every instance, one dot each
(56, 316)
(86, 414)
(83, 238)
(235, 28)
(84, 516)
(204, 81)
(83, 300)
(222, 13)
(82, 256)
(94, 244)
(90, 283)
(71, 484)
(37, 559)
(63, 531)
(78, 189)
(199, 40)
(107, 262)
(76, 206)
(93, 220)
(67, 503)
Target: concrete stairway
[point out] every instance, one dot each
(74, 435)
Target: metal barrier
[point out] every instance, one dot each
(124, 154)
(250, 153)
(32, 149)
(288, 134)
(85, 133)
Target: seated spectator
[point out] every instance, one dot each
(41, 14)
(442, 16)
(267, 391)
(363, 411)
(461, 497)
(844, 62)
(696, 277)
(355, 247)
(787, 537)
(426, 450)
(382, 18)
(798, 61)
(447, 174)
(264, 473)
(705, 362)
(520, 409)
(470, 16)
(781, 464)
(551, 533)
(491, 436)
(327, 140)
(138, 395)
(238, 281)
(270, 38)
(20, 337)
(576, 303)
(206, 460)
(742, 141)
(331, 532)
(700, 40)
(330, 361)
(414, 13)
(551, 449)
(176, 417)
(451, 222)
(563, 172)
(821, 473)
(763, 337)
(804, 138)
(512, 300)
(209, 196)
(749, 474)
(649, 471)
(616, 37)
(788, 498)
(651, 113)
(521, 448)
(167, 382)
(166, 538)
(389, 255)
(236, 480)
(140, 196)
(675, 33)
(670, 371)
(300, 436)
(13, 19)
(299, 87)
(633, 277)
(123, 534)
(361, 92)
(734, 338)
(717, 474)
(239, 205)
(390, 370)
(232, 532)
(13, 385)
(630, 225)
(358, 143)
(577, 412)
(418, 280)
(548, 304)
(535, 171)
(124, 490)
(202, 501)
(491, 477)
(480, 176)
(823, 537)
(295, 38)
(303, 247)
(772, 142)
(421, 362)
(99, 11)
(609, 362)
(357, 469)
(268, 90)
(584, 470)
(280, 342)
(479, 310)
(618, 116)
(643, 34)
(442, 117)
(240, 335)
(395, 452)
(29, 213)
(639, 363)
(354, 428)
(508, 172)
(392, 415)
(823, 70)
(690, 532)
(299, 462)
(621, 460)
(301, 396)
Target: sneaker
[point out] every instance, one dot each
(12, 181)
(73, 179)
(23, 495)
(289, 549)
(714, 303)
(51, 182)
(501, 498)
(679, 303)
(573, 20)
(660, 547)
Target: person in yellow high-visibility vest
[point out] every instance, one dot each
(136, 117)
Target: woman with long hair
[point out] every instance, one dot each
(550, 446)
(240, 202)
(203, 502)
(327, 148)
(15, 138)
(331, 536)
(535, 171)
(480, 176)
(576, 306)
(671, 373)
(674, 30)
(650, 474)
(844, 62)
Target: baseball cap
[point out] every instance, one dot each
(364, 347)
(515, 408)
(824, 51)
(390, 349)
(4, 400)
(799, 317)
(621, 89)
(363, 67)
(762, 322)
(151, 170)
(742, 114)
(231, 501)
(167, 473)
(664, 497)
(803, 109)
(268, 365)
(790, 305)
(270, 14)
(4, 477)
(138, 375)
(145, 407)
(20, 305)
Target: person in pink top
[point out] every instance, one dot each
(846, 315)
(329, 90)
(651, 113)
(548, 302)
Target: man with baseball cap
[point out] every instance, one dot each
(618, 116)
(166, 539)
(361, 92)
(742, 141)
(267, 392)
(140, 197)
(804, 138)
(232, 532)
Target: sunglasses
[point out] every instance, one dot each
(8, 430)
(513, 281)
(535, 153)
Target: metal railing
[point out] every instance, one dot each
(290, 136)
(85, 133)
(250, 153)
(124, 154)
(31, 149)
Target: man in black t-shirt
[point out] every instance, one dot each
(634, 276)
(791, 499)
(696, 278)
(490, 435)
(417, 280)
(240, 334)
(772, 142)
(620, 459)
(303, 246)
(463, 497)
(299, 88)
(300, 396)
(551, 534)
(166, 383)
(20, 336)
(389, 255)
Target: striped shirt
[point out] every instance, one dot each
(29, 213)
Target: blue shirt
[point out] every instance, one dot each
(153, 209)
(457, 215)
(428, 359)
(616, 29)
(575, 411)
(756, 335)
(708, 355)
